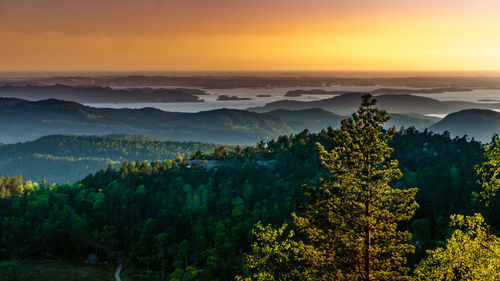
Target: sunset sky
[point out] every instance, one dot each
(249, 35)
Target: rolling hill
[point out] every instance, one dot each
(313, 119)
(23, 120)
(394, 103)
(60, 158)
(480, 124)
(316, 119)
(97, 94)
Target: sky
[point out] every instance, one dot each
(225, 35)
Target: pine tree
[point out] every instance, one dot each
(351, 220)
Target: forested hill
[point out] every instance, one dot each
(316, 119)
(194, 223)
(480, 124)
(61, 158)
(96, 94)
(23, 120)
(393, 103)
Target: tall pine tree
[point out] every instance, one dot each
(351, 219)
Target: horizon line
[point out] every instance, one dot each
(384, 73)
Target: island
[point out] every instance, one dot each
(98, 94)
(230, 98)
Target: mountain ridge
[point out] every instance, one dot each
(24, 120)
(27, 120)
(478, 123)
(395, 103)
(99, 94)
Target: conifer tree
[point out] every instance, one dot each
(351, 219)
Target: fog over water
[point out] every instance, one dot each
(276, 94)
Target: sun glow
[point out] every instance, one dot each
(192, 35)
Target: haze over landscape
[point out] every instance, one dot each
(249, 140)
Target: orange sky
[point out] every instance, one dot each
(249, 35)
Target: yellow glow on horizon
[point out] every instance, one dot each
(382, 41)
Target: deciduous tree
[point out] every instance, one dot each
(472, 253)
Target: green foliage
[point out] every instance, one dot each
(277, 256)
(443, 170)
(14, 186)
(213, 206)
(62, 158)
(220, 152)
(471, 253)
(489, 171)
(189, 274)
(351, 220)
(160, 216)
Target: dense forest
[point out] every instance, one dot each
(62, 158)
(195, 222)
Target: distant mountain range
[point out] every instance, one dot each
(477, 123)
(227, 98)
(23, 120)
(315, 119)
(58, 158)
(300, 92)
(96, 94)
(394, 103)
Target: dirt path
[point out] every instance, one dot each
(117, 272)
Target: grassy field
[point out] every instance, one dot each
(57, 270)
